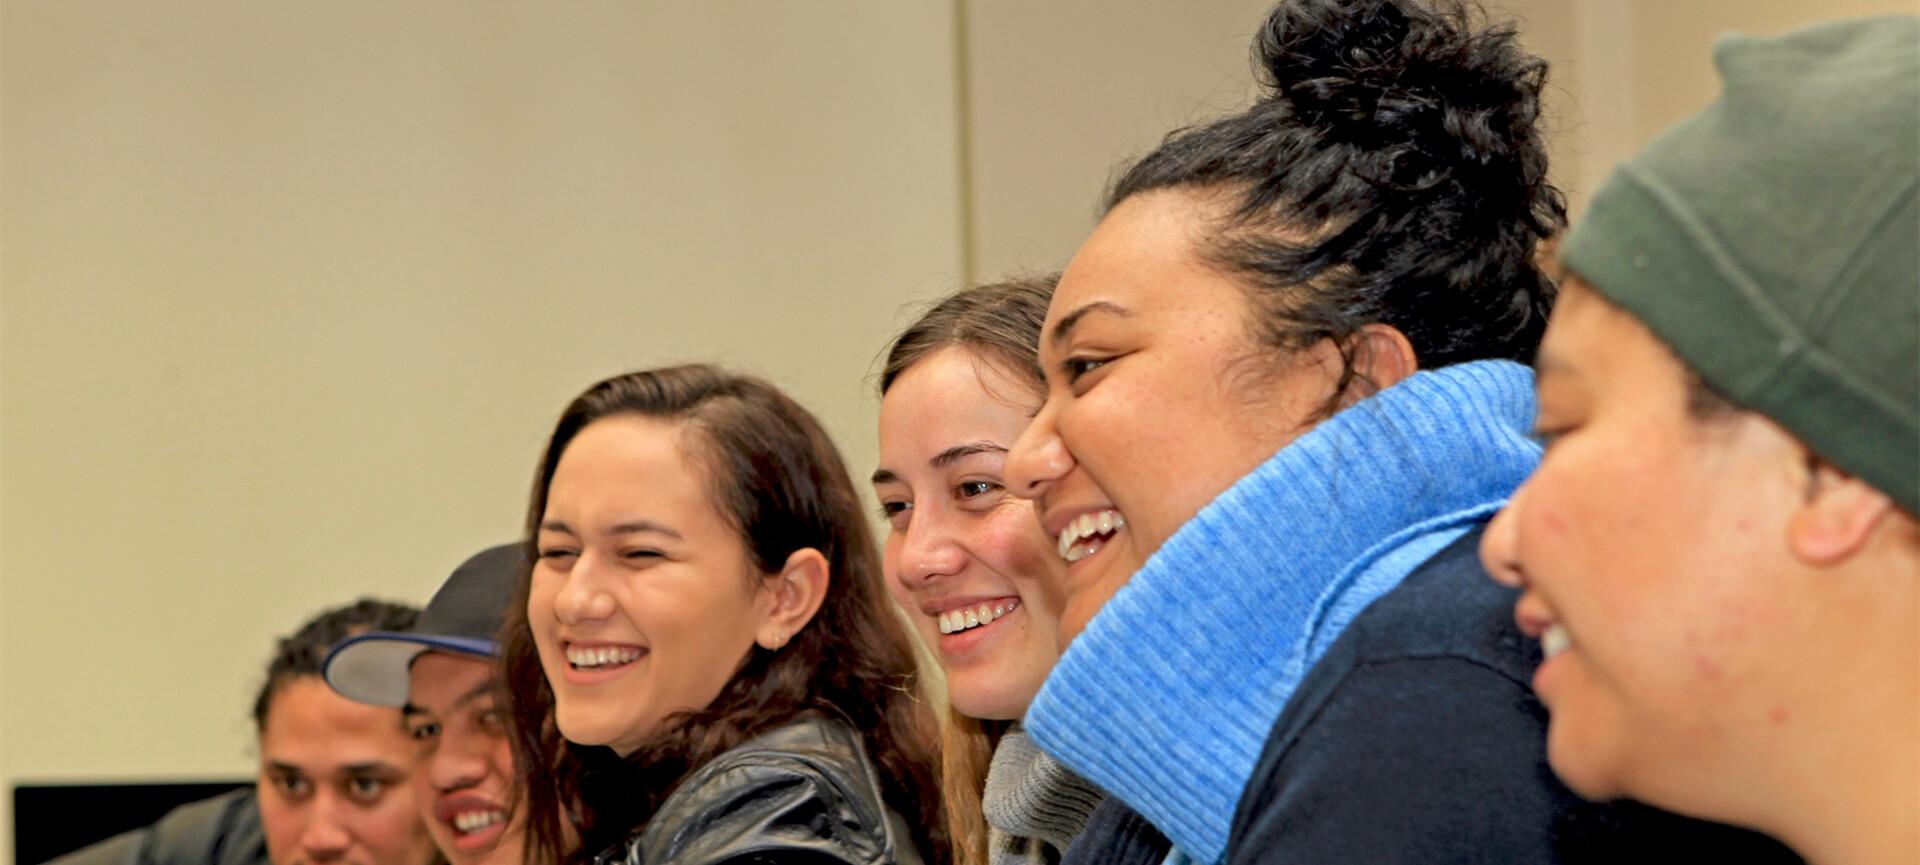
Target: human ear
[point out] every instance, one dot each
(1382, 355)
(792, 597)
(1837, 518)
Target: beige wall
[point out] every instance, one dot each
(289, 292)
(293, 291)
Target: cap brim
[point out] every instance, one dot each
(372, 667)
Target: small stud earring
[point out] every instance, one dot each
(779, 639)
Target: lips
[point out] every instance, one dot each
(476, 821)
(1085, 534)
(974, 616)
(601, 657)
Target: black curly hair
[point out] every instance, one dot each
(1392, 171)
(304, 653)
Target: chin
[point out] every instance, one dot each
(583, 730)
(1582, 766)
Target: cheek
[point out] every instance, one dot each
(890, 551)
(1013, 545)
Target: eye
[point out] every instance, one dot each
(643, 555)
(424, 731)
(975, 489)
(292, 786)
(557, 555)
(491, 720)
(896, 513)
(1075, 367)
(365, 788)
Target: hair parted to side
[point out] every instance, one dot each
(1393, 171)
(1000, 323)
(777, 478)
(305, 651)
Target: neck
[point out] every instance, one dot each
(1850, 794)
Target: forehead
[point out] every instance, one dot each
(1590, 339)
(439, 679)
(310, 726)
(626, 467)
(951, 396)
(1143, 257)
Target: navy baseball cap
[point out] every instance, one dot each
(463, 617)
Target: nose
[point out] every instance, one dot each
(1499, 546)
(929, 550)
(325, 838)
(584, 595)
(1038, 457)
(457, 763)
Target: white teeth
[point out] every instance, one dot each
(1085, 527)
(1555, 640)
(955, 621)
(602, 657)
(471, 821)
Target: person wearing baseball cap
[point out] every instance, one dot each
(441, 675)
(1719, 551)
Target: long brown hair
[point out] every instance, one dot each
(1001, 323)
(777, 478)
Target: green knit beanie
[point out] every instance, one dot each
(1773, 241)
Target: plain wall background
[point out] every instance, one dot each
(289, 294)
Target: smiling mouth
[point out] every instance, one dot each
(1088, 533)
(968, 618)
(602, 658)
(1554, 640)
(470, 822)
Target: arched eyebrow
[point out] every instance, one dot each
(627, 528)
(1065, 326)
(962, 451)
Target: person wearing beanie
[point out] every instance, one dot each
(1719, 552)
(440, 674)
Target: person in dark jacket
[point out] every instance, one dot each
(1287, 383)
(1719, 552)
(333, 779)
(704, 665)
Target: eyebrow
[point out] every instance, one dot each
(484, 689)
(1068, 321)
(375, 767)
(481, 690)
(635, 527)
(944, 458)
(962, 451)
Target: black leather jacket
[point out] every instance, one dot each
(804, 793)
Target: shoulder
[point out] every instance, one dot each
(803, 792)
(224, 830)
(1421, 723)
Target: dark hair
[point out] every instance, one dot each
(777, 478)
(1001, 322)
(1393, 171)
(303, 653)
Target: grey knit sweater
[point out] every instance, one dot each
(1034, 806)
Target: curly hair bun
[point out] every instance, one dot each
(1378, 73)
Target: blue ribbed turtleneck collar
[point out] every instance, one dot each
(1168, 696)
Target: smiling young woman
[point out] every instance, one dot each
(706, 655)
(1285, 390)
(969, 566)
(1719, 552)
